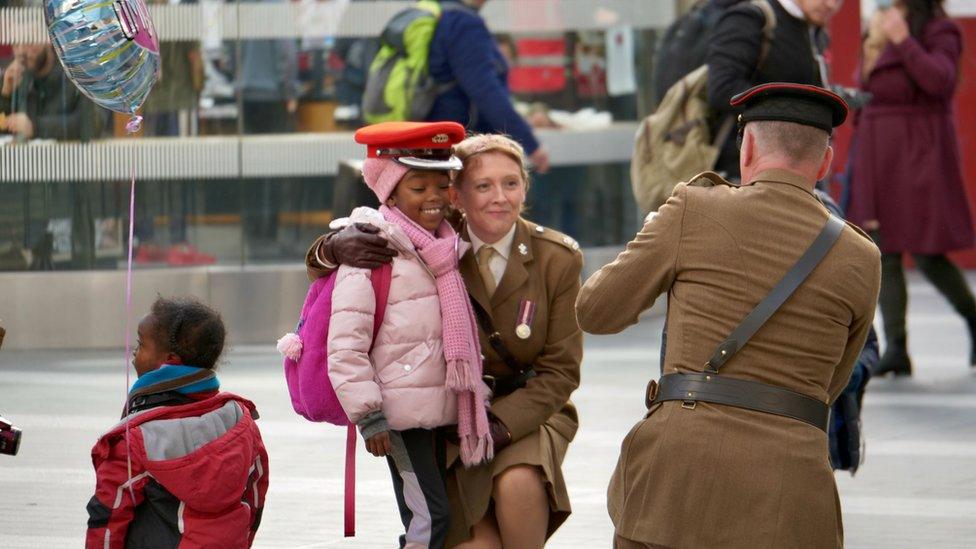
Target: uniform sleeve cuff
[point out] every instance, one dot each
(373, 424)
(320, 256)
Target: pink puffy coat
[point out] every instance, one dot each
(403, 374)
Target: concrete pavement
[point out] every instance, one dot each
(917, 487)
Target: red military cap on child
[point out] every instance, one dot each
(394, 148)
(424, 145)
(799, 103)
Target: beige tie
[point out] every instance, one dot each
(485, 253)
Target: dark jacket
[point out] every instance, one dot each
(463, 51)
(907, 173)
(734, 55)
(55, 106)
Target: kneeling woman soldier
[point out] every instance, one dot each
(523, 280)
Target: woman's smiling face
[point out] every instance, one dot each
(423, 196)
(491, 194)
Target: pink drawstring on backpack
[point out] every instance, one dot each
(307, 369)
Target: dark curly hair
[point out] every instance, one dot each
(190, 329)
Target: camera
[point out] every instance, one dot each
(9, 438)
(855, 98)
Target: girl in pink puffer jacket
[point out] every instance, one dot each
(423, 369)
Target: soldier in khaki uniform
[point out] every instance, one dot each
(699, 474)
(524, 278)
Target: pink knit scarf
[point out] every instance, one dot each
(440, 251)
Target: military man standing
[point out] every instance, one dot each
(733, 451)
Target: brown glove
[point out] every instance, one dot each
(500, 435)
(358, 245)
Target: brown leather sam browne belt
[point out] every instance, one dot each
(741, 393)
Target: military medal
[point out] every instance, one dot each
(525, 317)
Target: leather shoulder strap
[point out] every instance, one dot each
(495, 339)
(779, 294)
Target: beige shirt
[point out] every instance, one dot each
(503, 249)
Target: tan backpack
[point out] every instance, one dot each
(675, 142)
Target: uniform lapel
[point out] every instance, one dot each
(515, 272)
(472, 278)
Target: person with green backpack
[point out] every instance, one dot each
(438, 61)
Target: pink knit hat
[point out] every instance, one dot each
(394, 148)
(382, 176)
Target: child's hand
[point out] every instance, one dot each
(379, 444)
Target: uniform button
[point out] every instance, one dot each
(408, 367)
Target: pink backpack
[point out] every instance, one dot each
(307, 368)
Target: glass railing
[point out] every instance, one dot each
(231, 171)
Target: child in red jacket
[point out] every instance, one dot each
(193, 471)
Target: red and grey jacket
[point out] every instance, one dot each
(199, 474)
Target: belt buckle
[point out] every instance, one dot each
(650, 394)
(689, 403)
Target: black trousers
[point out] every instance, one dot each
(418, 465)
(942, 273)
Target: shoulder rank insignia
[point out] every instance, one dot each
(708, 179)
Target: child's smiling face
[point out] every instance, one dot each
(423, 195)
(149, 353)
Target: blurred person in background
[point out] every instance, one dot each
(357, 55)
(38, 102)
(795, 56)
(907, 179)
(463, 51)
(267, 80)
(170, 111)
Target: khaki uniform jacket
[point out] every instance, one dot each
(548, 274)
(719, 476)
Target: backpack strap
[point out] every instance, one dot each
(349, 499)
(380, 278)
(778, 295)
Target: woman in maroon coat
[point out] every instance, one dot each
(908, 187)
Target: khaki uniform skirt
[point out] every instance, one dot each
(469, 489)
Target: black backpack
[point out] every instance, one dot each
(685, 44)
